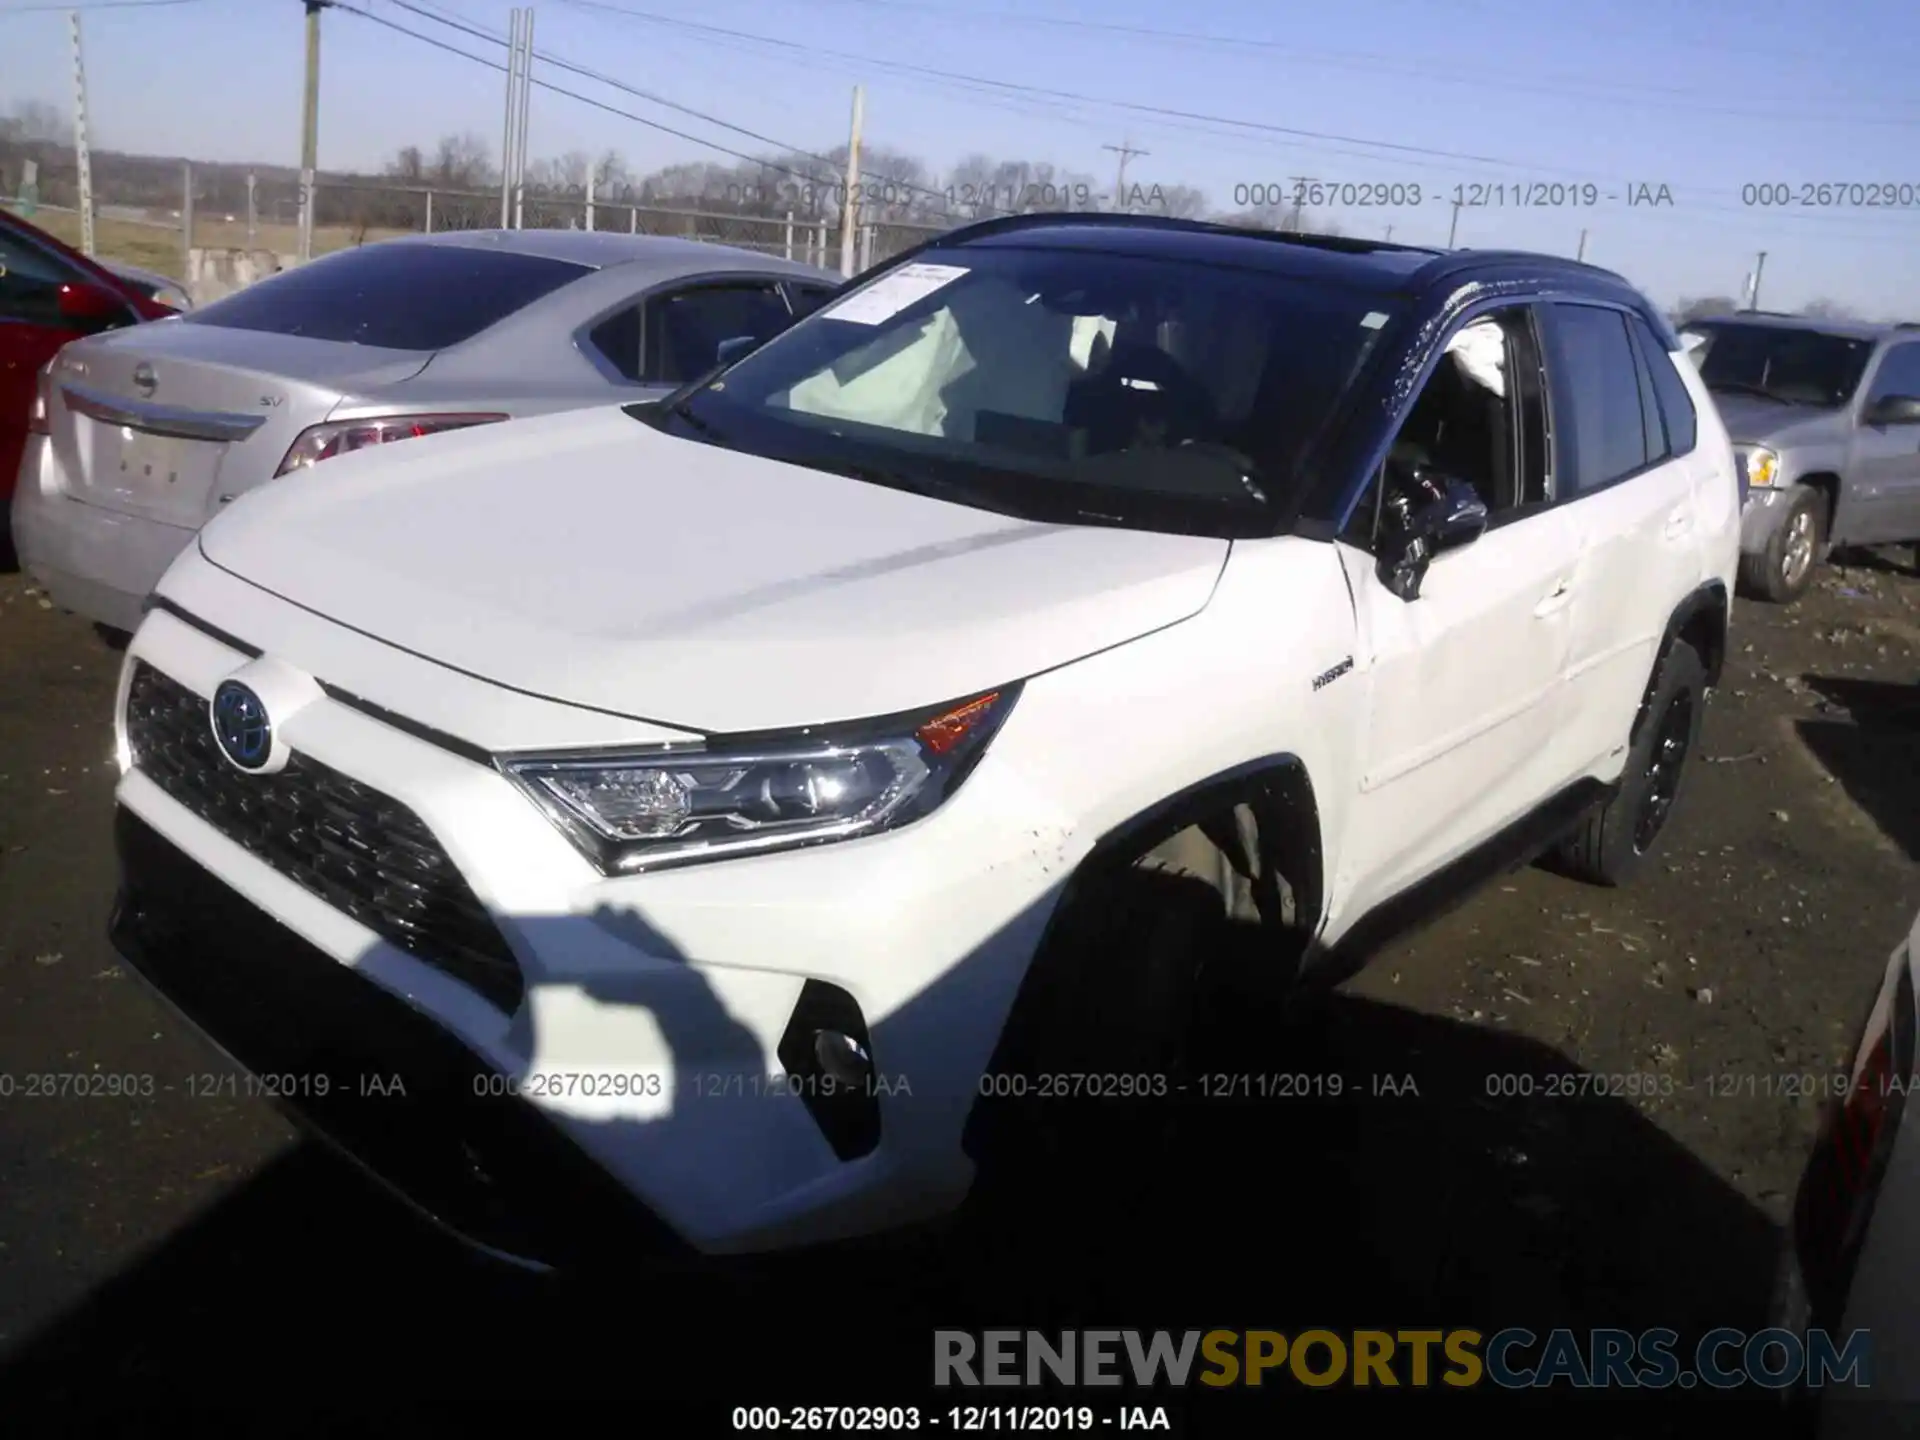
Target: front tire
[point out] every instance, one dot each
(1613, 843)
(1782, 571)
(1118, 998)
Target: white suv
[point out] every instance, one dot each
(686, 814)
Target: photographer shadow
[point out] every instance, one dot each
(1353, 1164)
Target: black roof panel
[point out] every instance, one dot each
(1362, 263)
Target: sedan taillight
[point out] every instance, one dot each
(1842, 1180)
(38, 421)
(339, 437)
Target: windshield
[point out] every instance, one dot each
(1066, 385)
(1796, 367)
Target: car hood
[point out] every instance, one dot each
(1753, 421)
(590, 559)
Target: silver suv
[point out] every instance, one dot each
(1825, 420)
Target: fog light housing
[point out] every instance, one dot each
(827, 1054)
(843, 1059)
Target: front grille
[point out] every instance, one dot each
(362, 852)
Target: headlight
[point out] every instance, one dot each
(1759, 464)
(172, 297)
(645, 810)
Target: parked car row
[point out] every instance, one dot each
(148, 433)
(1825, 417)
(50, 296)
(888, 687)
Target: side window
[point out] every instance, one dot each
(617, 338)
(1681, 424)
(684, 330)
(808, 298)
(30, 283)
(1899, 372)
(1601, 382)
(1482, 417)
(1651, 425)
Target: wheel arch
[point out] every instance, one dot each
(1702, 620)
(1280, 782)
(1826, 484)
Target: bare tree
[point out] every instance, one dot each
(1698, 307)
(611, 177)
(408, 165)
(462, 162)
(1828, 310)
(35, 122)
(1182, 202)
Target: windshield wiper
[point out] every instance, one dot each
(684, 409)
(931, 486)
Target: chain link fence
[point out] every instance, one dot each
(355, 213)
(189, 222)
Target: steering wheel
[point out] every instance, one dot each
(1184, 401)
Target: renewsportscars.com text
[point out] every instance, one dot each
(1458, 1358)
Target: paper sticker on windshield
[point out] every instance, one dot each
(1374, 320)
(891, 294)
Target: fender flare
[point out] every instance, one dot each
(1703, 619)
(1279, 783)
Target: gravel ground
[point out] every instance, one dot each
(183, 1257)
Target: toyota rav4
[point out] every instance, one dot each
(692, 815)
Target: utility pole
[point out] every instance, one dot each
(1126, 152)
(850, 204)
(1759, 265)
(253, 210)
(310, 127)
(186, 221)
(1581, 253)
(82, 156)
(1453, 230)
(513, 108)
(1389, 234)
(520, 134)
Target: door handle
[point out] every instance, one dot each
(1679, 523)
(1557, 597)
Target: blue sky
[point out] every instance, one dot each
(1703, 99)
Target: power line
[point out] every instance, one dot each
(1752, 215)
(1373, 62)
(1139, 106)
(439, 44)
(1323, 139)
(93, 5)
(584, 72)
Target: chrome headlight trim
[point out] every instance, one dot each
(648, 808)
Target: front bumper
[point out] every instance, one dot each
(373, 1076)
(100, 564)
(656, 1029)
(1761, 516)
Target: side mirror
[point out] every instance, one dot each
(1894, 410)
(1443, 514)
(731, 350)
(90, 305)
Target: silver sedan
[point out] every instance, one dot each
(139, 436)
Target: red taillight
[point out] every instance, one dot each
(341, 437)
(39, 422)
(1856, 1137)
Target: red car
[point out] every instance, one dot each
(49, 294)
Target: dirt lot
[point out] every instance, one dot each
(157, 247)
(177, 1257)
